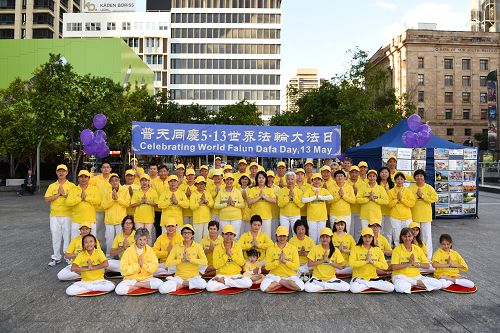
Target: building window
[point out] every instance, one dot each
(448, 80)
(448, 114)
(468, 132)
(449, 131)
(74, 26)
(163, 26)
(448, 63)
(448, 97)
(157, 76)
(125, 25)
(466, 81)
(420, 79)
(482, 81)
(484, 114)
(483, 64)
(420, 96)
(466, 64)
(466, 114)
(466, 97)
(111, 26)
(138, 25)
(483, 98)
(92, 26)
(420, 63)
(421, 112)
(133, 42)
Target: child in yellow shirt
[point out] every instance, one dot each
(252, 267)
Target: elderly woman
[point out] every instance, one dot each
(282, 260)
(228, 260)
(187, 257)
(90, 264)
(290, 201)
(138, 263)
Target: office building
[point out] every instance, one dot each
(305, 80)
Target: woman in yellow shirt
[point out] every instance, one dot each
(325, 259)
(345, 243)
(122, 241)
(187, 257)
(164, 245)
(209, 243)
(261, 198)
(406, 261)
(230, 203)
(365, 259)
(275, 209)
(200, 204)
(144, 200)
(244, 186)
(90, 264)
(401, 200)
(172, 202)
(137, 265)
(422, 211)
(343, 198)
(371, 197)
(384, 179)
(379, 239)
(304, 244)
(417, 240)
(290, 201)
(316, 198)
(255, 239)
(300, 181)
(448, 264)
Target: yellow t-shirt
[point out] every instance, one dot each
(400, 255)
(341, 206)
(307, 243)
(383, 243)
(205, 243)
(115, 210)
(362, 269)
(58, 207)
(422, 210)
(291, 265)
(83, 210)
(441, 257)
(290, 206)
(249, 267)
(226, 212)
(201, 212)
(371, 209)
(401, 210)
(171, 210)
(103, 186)
(316, 209)
(97, 258)
(303, 188)
(144, 213)
(347, 241)
(129, 264)
(261, 207)
(324, 271)
(228, 265)
(120, 239)
(184, 187)
(187, 270)
(262, 241)
(162, 242)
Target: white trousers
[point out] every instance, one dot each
(347, 220)
(170, 285)
(81, 287)
(314, 285)
(112, 230)
(266, 227)
(346, 270)
(235, 223)
(397, 225)
(288, 222)
(113, 265)
(426, 230)
(314, 229)
(355, 224)
(236, 281)
(387, 228)
(403, 284)
(358, 285)
(123, 287)
(187, 219)
(215, 218)
(162, 270)
(461, 282)
(66, 274)
(100, 227)
(200, 231)
(60, 229)
(75, 229)
(270, 278)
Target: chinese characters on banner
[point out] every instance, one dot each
(234, 140)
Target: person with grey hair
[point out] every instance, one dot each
(137, 264)
(290, 202)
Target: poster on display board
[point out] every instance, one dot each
(408, 159)
(456, 181)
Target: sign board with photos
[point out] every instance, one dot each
(456, 181)
(409, 159)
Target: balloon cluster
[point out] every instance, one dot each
(419, 134)
(94, 143)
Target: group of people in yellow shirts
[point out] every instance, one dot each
(300, 229)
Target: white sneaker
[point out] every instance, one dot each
(53, 262)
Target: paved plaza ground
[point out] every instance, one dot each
(33, 300)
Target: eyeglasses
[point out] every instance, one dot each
(187, 233)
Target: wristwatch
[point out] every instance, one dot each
(329, 262)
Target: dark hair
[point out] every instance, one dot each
(257, 177)
(89, 235)
(418, 238)
(244, 176)
(332, 247)
(399, 174)
(360, 241)
(341, 221)
(253, 253)
(188, 229)
(389, 179)
(153, 164)
(128, 217)
(163, 166)
(404, 232)
(255, 218)
(347, 159)
(299, 223)
(339, 172)
(213, 224)
(419, 172)
(445, 237)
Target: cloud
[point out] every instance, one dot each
(429, 12)
(385, 4)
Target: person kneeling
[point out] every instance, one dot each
(137, 264)
(227, 260)
(90, 264)
(282, 260)
(325, 259)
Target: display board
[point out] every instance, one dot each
(409, 159)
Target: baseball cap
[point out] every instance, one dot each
(62, 166)
(84, 173)
(282, 231)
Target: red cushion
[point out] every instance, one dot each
(282, 290)
(373, 291)
(455, 288)
(186, 291)
(231, 291)
(93, 293)
(142, 291)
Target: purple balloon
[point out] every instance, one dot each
(90, 149)
(425, 128)
(410, 139)
(414, 122)
(99, 136)
(86, 136)
(103, 152)
(100, 121)
(423, 138)
(405, 137)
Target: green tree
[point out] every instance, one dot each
(241, 113)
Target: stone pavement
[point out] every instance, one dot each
(33, 300)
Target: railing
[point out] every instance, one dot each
(489, 173)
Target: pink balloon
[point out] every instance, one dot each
(414, 122)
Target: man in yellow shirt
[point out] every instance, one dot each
(188, 187)
(83, 199)
(180, 168)
(356, 184)
(160, 185)
(60, 214)
(280, 174)
(242, 169)
(363, 169)
(308, 168)
(102, 183)
(282, 260)
(131, 187)
(139, 171)
(228, 260)
(172, 202)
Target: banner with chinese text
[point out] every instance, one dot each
(150, 138)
